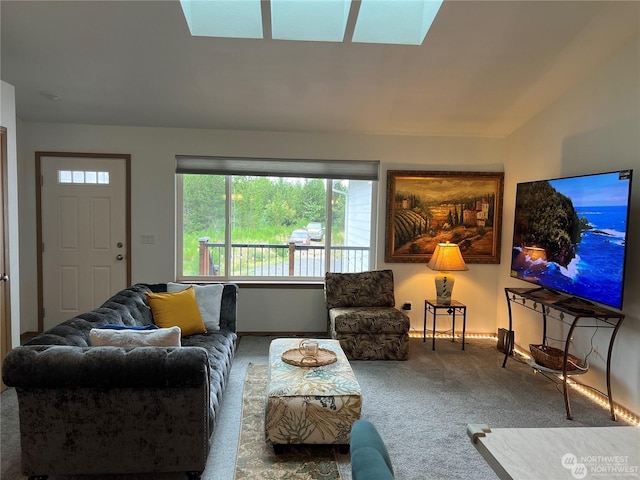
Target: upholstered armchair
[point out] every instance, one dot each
(362, 315)
(369, 456)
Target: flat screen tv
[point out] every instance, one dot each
(570, 235)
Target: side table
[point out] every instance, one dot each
(453, 308)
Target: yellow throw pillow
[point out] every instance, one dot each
(177, 309)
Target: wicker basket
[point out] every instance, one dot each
(552, 358)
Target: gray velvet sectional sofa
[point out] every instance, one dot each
(113, 410)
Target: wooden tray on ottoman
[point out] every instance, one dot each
(295, 357)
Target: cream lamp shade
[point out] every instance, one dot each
(445, 259)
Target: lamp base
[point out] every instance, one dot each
(444, 287)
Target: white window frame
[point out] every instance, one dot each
(328, 170)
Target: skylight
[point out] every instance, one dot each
(378, 21)
(317, 21)
(404, 22)
(223, 18)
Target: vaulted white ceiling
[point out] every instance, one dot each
(485, 68)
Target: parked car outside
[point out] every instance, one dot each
(316, 232)
(300, 237)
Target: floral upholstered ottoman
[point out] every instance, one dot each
(310, 405)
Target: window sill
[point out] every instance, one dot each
(288, 284)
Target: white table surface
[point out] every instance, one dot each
(560, 453)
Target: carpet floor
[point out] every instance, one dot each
(421, 408)
(257, 459)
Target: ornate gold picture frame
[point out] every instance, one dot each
(426, 208)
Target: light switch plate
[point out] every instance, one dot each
(147, 238)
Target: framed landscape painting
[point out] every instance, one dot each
(427, 208)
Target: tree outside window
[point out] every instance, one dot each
(242, 226)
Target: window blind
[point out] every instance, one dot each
(279, 167)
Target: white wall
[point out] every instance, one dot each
(261, 309)
(595, 127)
(8, 120)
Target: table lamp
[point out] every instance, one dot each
(446, 258)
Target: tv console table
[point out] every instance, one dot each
(570, 311)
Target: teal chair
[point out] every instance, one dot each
(369, 457)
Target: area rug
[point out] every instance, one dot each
(256, 459)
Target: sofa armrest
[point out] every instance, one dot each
(56, 366)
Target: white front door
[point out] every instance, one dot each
(84, 234)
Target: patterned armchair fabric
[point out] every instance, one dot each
(366, 289)
(363, 318)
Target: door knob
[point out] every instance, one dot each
(119, 257)
(4, 277)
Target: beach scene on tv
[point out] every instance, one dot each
(570, 235)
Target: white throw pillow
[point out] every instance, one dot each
(160, 337)
(209, 299)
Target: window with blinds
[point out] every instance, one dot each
(274, 219)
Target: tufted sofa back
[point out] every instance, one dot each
(128, 307)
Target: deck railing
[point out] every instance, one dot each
(278, 260)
